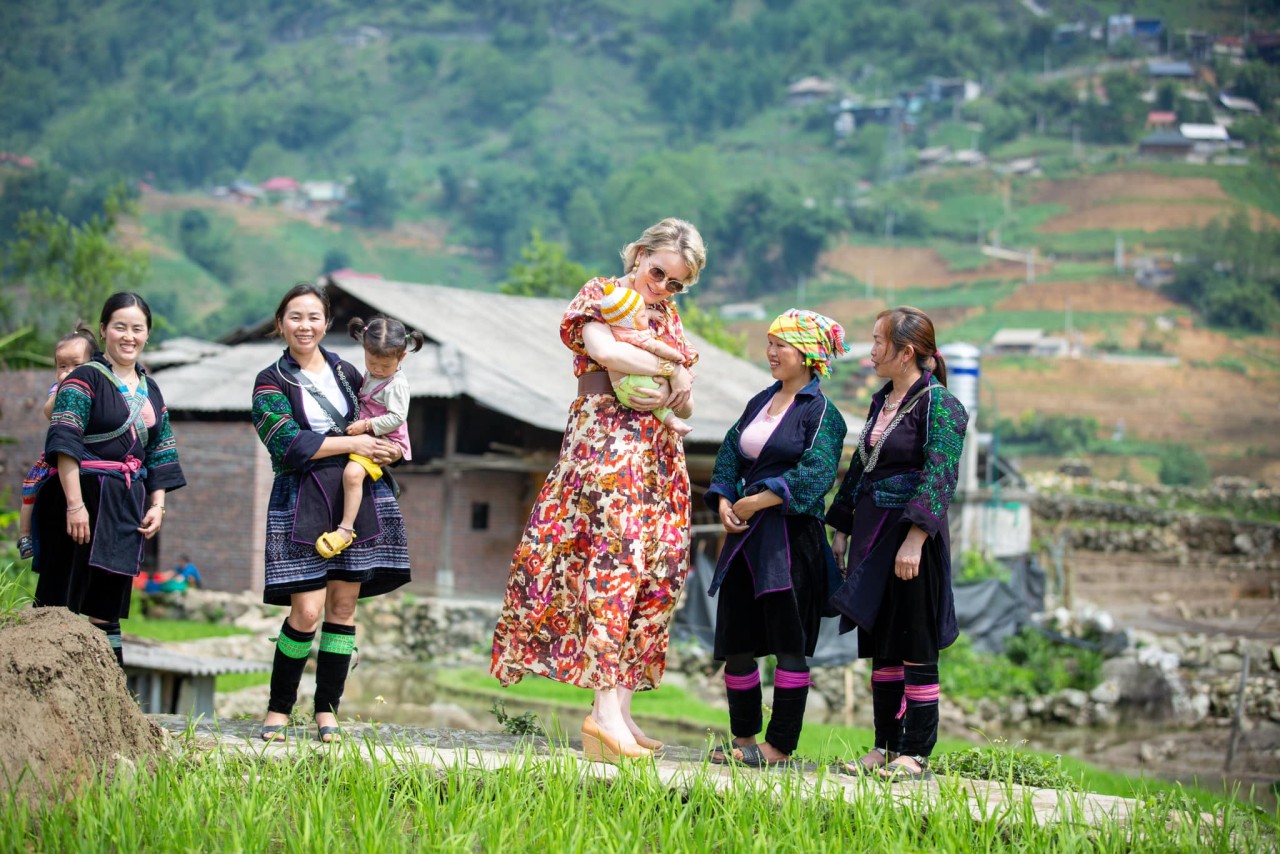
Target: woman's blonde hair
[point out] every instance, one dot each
(670, 235)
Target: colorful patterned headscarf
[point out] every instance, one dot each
(815, 335)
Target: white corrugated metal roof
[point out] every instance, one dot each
(1017, 337)
(1204, 132)
(158, 658)
(502, 351)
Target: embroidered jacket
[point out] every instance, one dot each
(798, 463)
(280, 419)
(88, 409)
(912, 482)
(934, 432)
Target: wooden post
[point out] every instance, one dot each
(1237, 721)
(848, 695)
(444, 564)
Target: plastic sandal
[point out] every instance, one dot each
(895, 772)
(860, 768)
(273, 733)
(332, 543)
(722, 754)
(328, 734)
(26, 548)
(753, 757)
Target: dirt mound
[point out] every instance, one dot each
(66, 706)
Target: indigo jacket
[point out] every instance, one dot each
(912, 483)
(799, 464)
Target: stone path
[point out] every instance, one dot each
(449, 748)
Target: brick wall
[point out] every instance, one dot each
(22, 393)
(219, 517)
(481, 558)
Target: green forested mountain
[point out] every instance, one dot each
(584, 120)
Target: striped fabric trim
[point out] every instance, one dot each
(293, 648)
(888, 674)
(920, 695)
(742, 683)
(790, 679)
(340, 644)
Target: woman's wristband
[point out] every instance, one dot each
(160, 507)
(76, 509)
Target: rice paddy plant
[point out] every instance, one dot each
(370, 796)
(15, 589)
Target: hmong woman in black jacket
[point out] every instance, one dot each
(110, 441)
(308, 455)
(892, 542)
(771, 476)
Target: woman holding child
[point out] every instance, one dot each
(301, 402)
(113, 460)
(604, 556)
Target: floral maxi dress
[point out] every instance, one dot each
(605, 553)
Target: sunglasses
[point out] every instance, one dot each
(661, 278)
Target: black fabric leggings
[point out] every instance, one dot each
(745, 716)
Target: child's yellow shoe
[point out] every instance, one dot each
(332, 543)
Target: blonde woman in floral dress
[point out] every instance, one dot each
(605, 553)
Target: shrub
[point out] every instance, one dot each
(1054, 665)
(1182, 466)
(1033, 664)
(976, 566)
(525, 723)
(1005, 763)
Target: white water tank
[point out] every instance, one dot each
(964, 363)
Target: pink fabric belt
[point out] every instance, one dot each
(128, 468)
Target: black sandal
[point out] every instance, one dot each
(328, 734)
(722, 754)
(753, 757)
(897, 773)
(859, 768)
(273, 733)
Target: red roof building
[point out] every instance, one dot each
(280, 185)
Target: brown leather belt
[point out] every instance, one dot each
(594, 382)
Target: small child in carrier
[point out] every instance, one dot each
(72, 350)
(384, 409)
(628, 318)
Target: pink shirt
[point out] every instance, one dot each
(757, 433)
(877, 429)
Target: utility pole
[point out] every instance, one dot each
(1067, 325)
